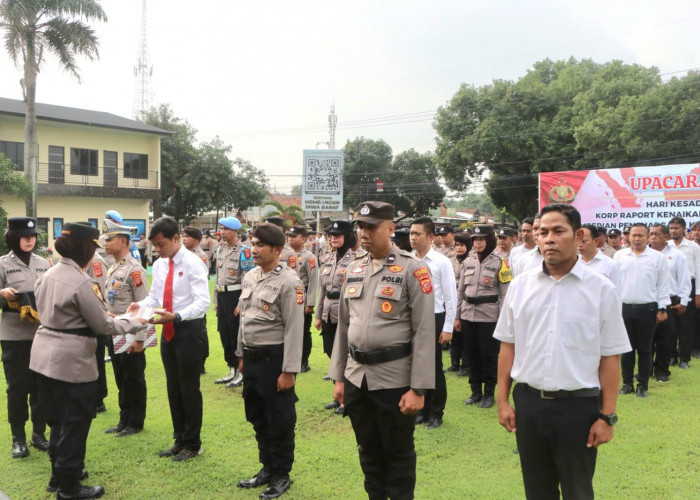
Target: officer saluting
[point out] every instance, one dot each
(269, 348)
(384, 355)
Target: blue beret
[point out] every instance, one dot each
(230, 223)
(116, 216)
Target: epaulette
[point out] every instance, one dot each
(277, 269)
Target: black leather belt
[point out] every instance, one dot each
(83, 332)
(381, 355)
(578, 393)
(486, 299)
(332, 295)
(262, 352)
(648, 305)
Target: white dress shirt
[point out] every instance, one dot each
(516, 253)
(561, 328)
(444, 286)
(680, 275)
(530, 259)
(645, 277)
(607, 267)
(691, 251)
(190, 285)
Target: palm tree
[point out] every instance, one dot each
(291, 214)
(33, 28)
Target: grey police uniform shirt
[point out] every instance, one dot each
(228, 265)
(306, 267)
(97, 270)
(68, 299)
(490, 277)
(287, 252)
(126, 283)
(386, 308)
(331, 281)
(272, 313)
(16, 274)
(202, 255)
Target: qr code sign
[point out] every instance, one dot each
(322, 175)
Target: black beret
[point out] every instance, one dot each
(193, 232)
(270, 234)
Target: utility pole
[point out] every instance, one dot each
(332, 122)
(142, 74)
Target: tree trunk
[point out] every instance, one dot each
(31, 142)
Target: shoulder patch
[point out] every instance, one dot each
(312, 262)
(97, 269)
(136, 278)
(505, 274)
(423, 276)
(300, 294)
(292, 261)
(277, 269)
(98, 292)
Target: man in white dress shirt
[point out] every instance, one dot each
(529, 259)
(594, 258)
(646, 295)
(180, 278)
(527, 238)
(565, 360)
(445, 293)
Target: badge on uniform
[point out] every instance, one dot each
(387, 307)
(300, 294)
(352, 290)
(265, 306)
(292, 262)
(136, 278)
(246, 259)
(391, 259)
(180, 274)
(230, 272)
(110, 297)
(97, 269)
(423, 276)
(395, 269)
(487, 281)
(312, 263)
(388, 291)
(357, 270)
(98, 292)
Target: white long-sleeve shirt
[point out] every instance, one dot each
(680, 275)
(645, 277)
(605, 266)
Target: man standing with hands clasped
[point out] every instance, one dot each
(566, 362)
(383, 358)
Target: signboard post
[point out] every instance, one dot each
(322, 188)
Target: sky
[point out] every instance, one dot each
(263, 75)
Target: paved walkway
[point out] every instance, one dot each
(3, 496)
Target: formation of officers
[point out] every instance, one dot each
(387, 301)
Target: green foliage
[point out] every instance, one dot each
(564, 115)
(415, 177)
(292, 214)
(12, 182)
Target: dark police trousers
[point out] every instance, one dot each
(227, 324)
(684, 329)
(328, 330)
(664, 340)
(435, 399)
(182, 361)
(130, 376)
(482, 355)
(640, 323)
(551, 437)
(271, 412)
(69, 410)
(104, 342)
(21, 384)
(307, 343)
(385, 440)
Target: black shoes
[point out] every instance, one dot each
(277, 487)
(683, 365)
(340, 411)
(101, 408)
(453, 368)
(332, 406)
(305, 368)
(420, 419)
(327, 378)
(52, 487)
(128, 431)
(433, 423)
(641, 392)
(627, 389)
(673, 362)
(463, 372)
(260, 479)
(186, 454)
(81, 491)
(486, 402)
(171, 452)
(473, 399)
(19, 448)
(117, 428)
(39, 442)
(662, 378)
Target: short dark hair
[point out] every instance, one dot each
(427, 224)
(78, 250)
(167, 226)
(538, 215)
(639, 224)
(572, 215)
(528, 220)
(696, 225)
(677, 220)
(593, 229)
(664, 227)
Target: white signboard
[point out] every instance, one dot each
(322, 188)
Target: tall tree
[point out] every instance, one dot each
(292, 214)
(32, 29)
(366, 162)
(416, 183)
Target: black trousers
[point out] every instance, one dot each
(130, 376)
(435, 399)
(328, 330)
(21, 386)
(227, 324)
(640, 323)
(664, 339)
(144, 259)
(551, 437)
(104, 342)
(306, 347)
(457, 350)
(271, 412)
(69, 410)
(182, 361)
(685, 329)
(482, 355)
(384, 440)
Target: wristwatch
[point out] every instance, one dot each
(662, 309)
(178, 319)
(420, 392)
(610, 419)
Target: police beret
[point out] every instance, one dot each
(230, 223)
(295, 230)
(193, 232)
(482, 231)
(277, 221)
(340, 227)
(114, 215)
(111, 229)
(81, 231)
(22, 226)
(270, 234)
(374, 212)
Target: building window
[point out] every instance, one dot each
(83, 161)
(13, 151)
(136, 165)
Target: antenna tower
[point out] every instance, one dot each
(142, 73)
(332, 122)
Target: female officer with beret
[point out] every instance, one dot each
(73, 313)
(18, 271)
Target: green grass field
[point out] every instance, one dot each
(655, 453)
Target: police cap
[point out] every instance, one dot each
(277, 221)
(297, 230)
(340, 227)
(374, 212)
(482, 231)
(81, 231)
(615, 232)
(112, 229)
(22, 226)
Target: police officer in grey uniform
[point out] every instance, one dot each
(287, 251)
(126, 283)
(305, 265)
(97, 270)
(19, 270)
(233, 260)
(270, 342)
(482, 286)
(73, 312)
(384, 355)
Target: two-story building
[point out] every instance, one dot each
(89, 162)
